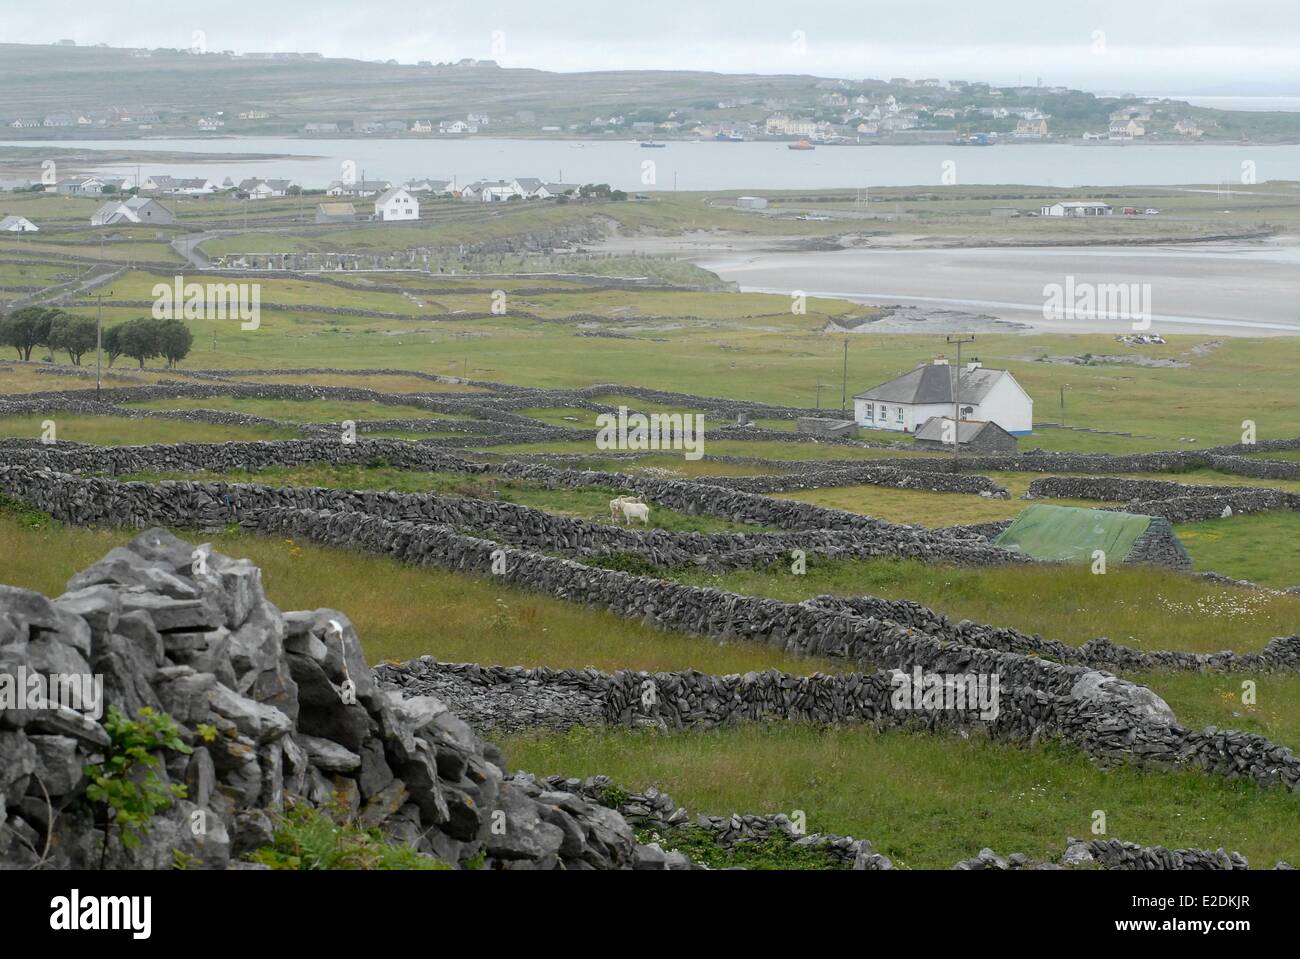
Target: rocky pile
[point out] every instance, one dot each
(275, 707)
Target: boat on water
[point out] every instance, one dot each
(652, 145)
(729, 136)
(800, 145)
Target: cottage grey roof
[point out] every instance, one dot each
(529, 183)
(932, 383)
(388, 195)
(967, 430)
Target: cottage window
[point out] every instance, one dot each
(870, 411)
(900, 414)
(884, 411)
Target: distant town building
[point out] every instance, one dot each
(18, 224)
(1077, 208)
(751, 202)
(137, 209)
(436, 187)
(259, 189)
(1131, 128)
(1032, 129)
(358, 188)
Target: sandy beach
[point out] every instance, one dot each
(1228, 289)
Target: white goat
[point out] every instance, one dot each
(632, 510)
(616, 504)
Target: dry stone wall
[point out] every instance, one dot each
(1109, 729)
(686, 497)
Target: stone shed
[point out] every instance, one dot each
(979, 436)
(826, 426)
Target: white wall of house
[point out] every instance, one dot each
(898, 417)
(400, 206)
(1007, 405)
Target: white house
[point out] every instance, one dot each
(1077, 208)
(18, 224)
(259, 189)
(1127, 129)
(427, 185)
(904, 403)
(396, 204)
(532, 188)
(496, 191)
(358, 188)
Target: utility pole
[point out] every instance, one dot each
(956, 390)
(99, 339)
(1064, 387)
(844, 383)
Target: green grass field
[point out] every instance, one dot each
(402, 612)
(1142, 607)
(1262, 547)
(121, 431)
(925, 801)
(590, 503)
(295, 411)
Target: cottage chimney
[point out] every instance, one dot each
(973, 365)
(941, 361)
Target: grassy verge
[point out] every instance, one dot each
(306, 410)
(402, 611)
(1141, 607)
(925, 801)
(1262, 547)
(1215, 699)
(121, 431)
(590, 503)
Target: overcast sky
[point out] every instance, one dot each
(1155, 46)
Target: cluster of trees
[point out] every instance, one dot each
(146, 338)
(34, 326)
(141, 339)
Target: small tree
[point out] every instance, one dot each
(75, 334)
(126, 783)
(139, 339)
(27, 329)
(174, 341)
(112, 343)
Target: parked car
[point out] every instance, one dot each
(1151, 211)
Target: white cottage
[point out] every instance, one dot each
(904, 403)
(18, 224)
(396, 204)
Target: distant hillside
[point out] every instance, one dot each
(41, 80)
(53, 91)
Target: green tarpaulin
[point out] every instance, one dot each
(1072, 533)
